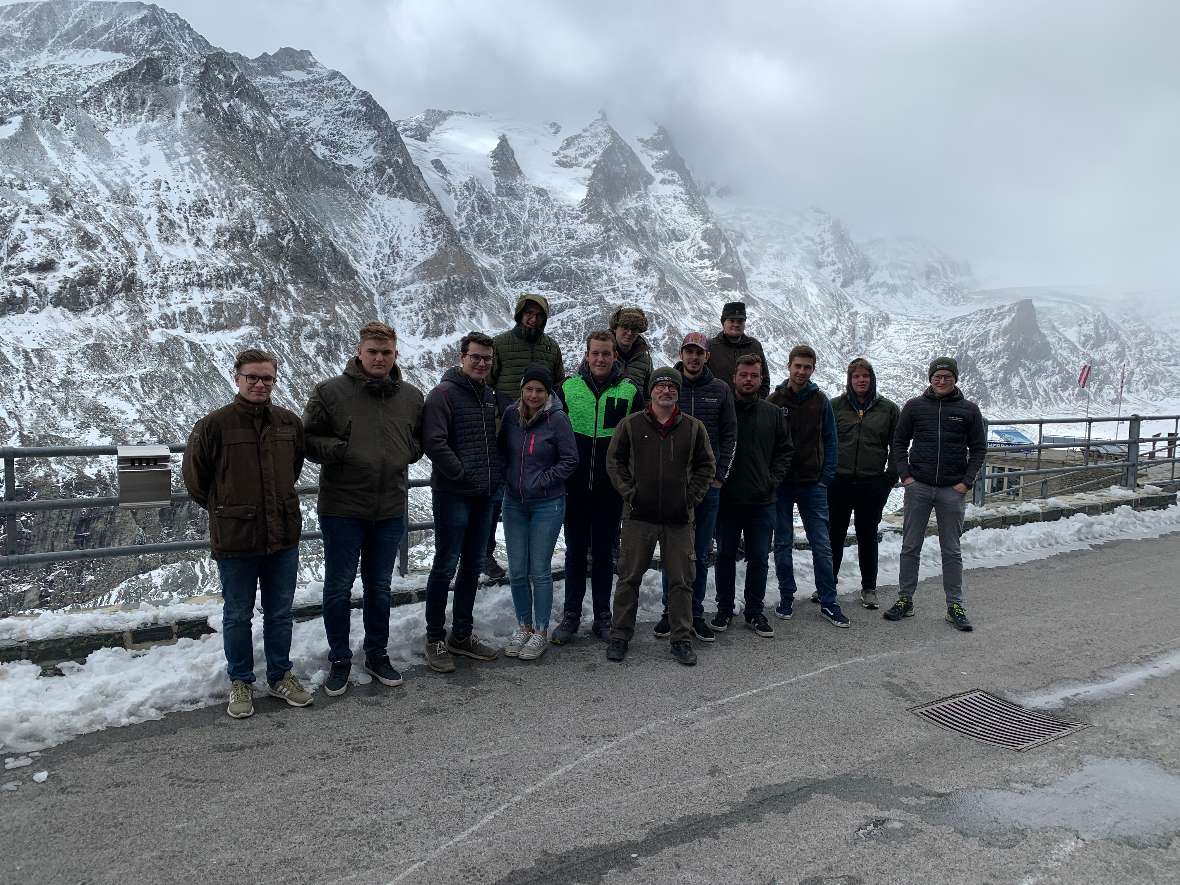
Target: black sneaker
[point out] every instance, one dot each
(337, 683)
(566, 630)
(834, 614)
(383, 671)
(903, 608)
(785, 611)
(683, 653)
(814, 597)
(956, 616)
(601, 627)
(720, 622)
(616, 649)
(663, 629)
(760, 626)
(700, 629)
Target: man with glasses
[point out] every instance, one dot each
(241, 464)
(938, 450)
(628, 324)
(459, 437)
(731, 343)
(364, 427)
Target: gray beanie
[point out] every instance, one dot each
(943, 363)
(664, 374)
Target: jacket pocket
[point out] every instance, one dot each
(235, 529)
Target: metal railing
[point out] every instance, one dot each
(11, 507)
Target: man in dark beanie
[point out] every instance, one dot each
(732, 342)
(661, 462)
(628, 324)
(865, 424)
(938, 449)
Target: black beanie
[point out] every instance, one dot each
(538, 373)
(944, 363)
(733, 310)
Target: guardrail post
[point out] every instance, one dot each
(1131, 479)
(10, 521)
(403, 554)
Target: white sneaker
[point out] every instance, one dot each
(534, 648)
(517, 642)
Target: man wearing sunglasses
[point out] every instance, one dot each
(241, 464)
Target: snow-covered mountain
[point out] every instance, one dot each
(164, 203)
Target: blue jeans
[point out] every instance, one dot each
(461, 526)
(705, 521)
(374, 543)
(240, 579)
(757, 524)
(530, 530)
(812, 498)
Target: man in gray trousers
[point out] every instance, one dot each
(938, 448)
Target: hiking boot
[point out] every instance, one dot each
(682, 652)
(663, 629)
(289, 689)
(241, 700)
(814, 597)
(903, 608)
(720, 622)
(956, 616)
(516, 643)
(834, 614)
(760, 626)
(471, 646)
(337, 683)
(566, 630)
(438, 658)
(616, 649)
(700, 629)
(784, 611)
(383, 671)
(868, 598)
(601, 628)
(534, 647)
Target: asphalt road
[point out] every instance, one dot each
(786, 760)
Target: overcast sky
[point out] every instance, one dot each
(1039, 140)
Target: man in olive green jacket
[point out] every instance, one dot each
(364, 426)
(628, 324)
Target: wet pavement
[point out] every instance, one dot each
(791, 760)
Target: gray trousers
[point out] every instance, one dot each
(949, 507)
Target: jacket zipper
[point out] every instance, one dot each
(938, 450)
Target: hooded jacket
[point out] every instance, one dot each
(661, 473)
(709, 400)
(723, 357)
(241, 464)
(595, 410)
(459, 436)
(763, 456)
(813, 432)
(940, 441)
(865, 429)
(518, 348)
(540, 454)
(365, 432)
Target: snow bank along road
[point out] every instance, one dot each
(788, 760)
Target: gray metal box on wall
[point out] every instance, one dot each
(145, 476)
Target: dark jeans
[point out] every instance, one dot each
(591, 526)
(756, 524)
(497, 512)
(812, 499)
(866, 498)
(460, 533)
(240, 579)
(374, 544)
(705, 519)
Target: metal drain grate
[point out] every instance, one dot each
(984, 717)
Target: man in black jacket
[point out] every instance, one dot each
(748, 498)
(459, 437)
(938, 450)
(710, 401)
(732, 342)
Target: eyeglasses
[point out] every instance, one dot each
(479, 357)
(267, 380)
(942, 378)
(667, 385)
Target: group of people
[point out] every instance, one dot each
(701, 459)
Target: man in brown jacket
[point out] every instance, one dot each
(364, 426)
(241, 464)
(661, 462)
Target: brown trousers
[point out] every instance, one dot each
(677, 556)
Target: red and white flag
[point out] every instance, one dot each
(1084, 375)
